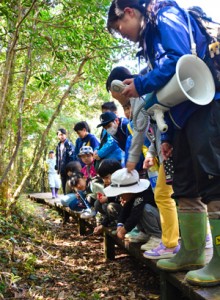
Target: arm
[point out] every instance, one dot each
(70, 151)
(108, 147)
(172, 42)
(135, 213)
(138, 136)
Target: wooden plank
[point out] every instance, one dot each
(66, 212)
(173, 285)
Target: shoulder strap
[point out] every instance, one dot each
(122, 126)
(130, 129)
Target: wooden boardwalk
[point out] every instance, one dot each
(173, 285)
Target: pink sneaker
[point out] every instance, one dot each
(161, 252)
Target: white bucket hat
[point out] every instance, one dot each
(123, 182)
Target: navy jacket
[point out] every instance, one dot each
(68, 155)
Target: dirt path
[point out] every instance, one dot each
(70, 267)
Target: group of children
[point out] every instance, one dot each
(123, 195)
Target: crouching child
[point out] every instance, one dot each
(139, 211)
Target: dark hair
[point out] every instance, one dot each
(116, 10)
(109, 106)
(62, 130)
(119, 73)
(73, 166)
(108, 166)
(81, 125)
(74, 179)
(51, 151)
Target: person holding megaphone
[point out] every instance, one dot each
(180, 85)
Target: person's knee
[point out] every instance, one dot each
(191, 205)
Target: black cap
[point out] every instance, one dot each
(106, 118)
(119, 73)
(51, 151)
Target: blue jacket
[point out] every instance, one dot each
(163, 45)
(109, 147)
(121, 135)
(89, 140)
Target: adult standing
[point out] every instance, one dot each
(64, 154)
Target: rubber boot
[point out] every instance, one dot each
(53, 193)
(192, 252)
(210, 274)
(56, 192)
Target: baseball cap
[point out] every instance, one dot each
(85, 150)
(106, 118)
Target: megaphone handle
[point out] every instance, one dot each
(159, 118)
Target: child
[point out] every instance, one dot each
(64, 154)
(85, 138)
(53, 178)
(138, 207)
(139, 166)
(162, 193)
(71, 168)
(87, 190)
(109, 207)
(86, 156)
(108, 147)
(163, 32)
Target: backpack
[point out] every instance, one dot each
(209, 28)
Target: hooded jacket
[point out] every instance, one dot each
(163, 42)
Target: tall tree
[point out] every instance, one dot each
(55, 57)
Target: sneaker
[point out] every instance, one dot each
(131, 233)
(89, 213)
(151, 244)
(208, 241)
(80, 211)
(161, 252)
(139, 237)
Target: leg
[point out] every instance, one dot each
(210, 274)
(168, 211)
(53, 192)
(63, 182)
(193, 218)
(150, 221)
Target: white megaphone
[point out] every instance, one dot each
(193, 81)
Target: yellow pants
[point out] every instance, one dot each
(167, 209)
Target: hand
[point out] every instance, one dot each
(130, 90)
(166, 150)
(148, 162)
(130, 166)
(122, 201)
(101, 198)
(96, 157)
(121, 231)
(98, 229)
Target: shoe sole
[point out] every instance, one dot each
(183, 268)
(203, 283)
(159, 257)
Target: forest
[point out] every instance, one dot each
(55, 58)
